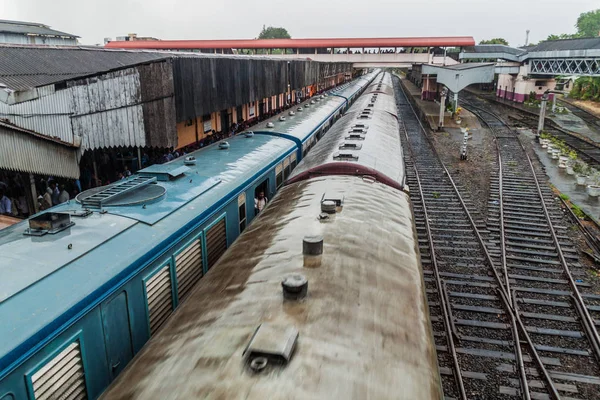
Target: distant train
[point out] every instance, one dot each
(321, 298)
(84, 285)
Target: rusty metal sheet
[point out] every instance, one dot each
(364, 329)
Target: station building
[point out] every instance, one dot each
(67, 112)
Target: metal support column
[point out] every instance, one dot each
(455, 101)
(542, 114)
(34, 195)
(442, 107)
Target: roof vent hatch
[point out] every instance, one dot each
(50, 222)
(190, 160)
(271, 344)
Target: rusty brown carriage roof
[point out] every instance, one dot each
(364, 330)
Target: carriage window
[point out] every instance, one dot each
(293, 160)
(286, 168)
(242, 211)
(279, 175)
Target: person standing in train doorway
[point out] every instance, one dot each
(260, 202)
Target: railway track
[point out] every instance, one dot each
(591, 120)
(482, 347)
(587, 149)
(547, 284)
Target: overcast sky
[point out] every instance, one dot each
(243, 19)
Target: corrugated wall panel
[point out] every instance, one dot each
(49, 115)
(23, 152)
(158, 104)
(109, 110)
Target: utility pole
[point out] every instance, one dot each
(442, 108)
(289, 93)
(526, 37)
(542, 114)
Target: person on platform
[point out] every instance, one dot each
(64, 195)
(55, 193)
(46, 201)
(5, 204)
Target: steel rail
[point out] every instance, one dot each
(444, 305)
(592, 241)
(594, 337)
(552, 387)
(502, 243)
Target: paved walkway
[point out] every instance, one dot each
(430, 110)
(565, 183)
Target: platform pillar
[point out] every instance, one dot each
(542, 114)
(442, 107)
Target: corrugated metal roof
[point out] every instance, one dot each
(20, 27)
(494, 48)
(567, 44)
(25, 152)
(24, 67)
(449, 41)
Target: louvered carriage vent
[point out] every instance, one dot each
(188, 265)
(160, 301)
(62, 378)
(216, 242)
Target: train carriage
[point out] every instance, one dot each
(322, 297)
(362, 330)
(320, 112)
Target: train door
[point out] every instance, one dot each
(263, 187)
(117, 337)
(242, 211)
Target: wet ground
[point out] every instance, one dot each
(473, 176)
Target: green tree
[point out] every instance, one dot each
(588, 23)
(586, 88)
(563, 36)
(495, 41)
(272, 32)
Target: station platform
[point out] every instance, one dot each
(565, 183)
(429, 110)
(568, 122)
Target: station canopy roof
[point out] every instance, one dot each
(22, 150)
(23, 67)
(450, 41)
(30, 28)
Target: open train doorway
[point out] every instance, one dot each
(261, 196)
